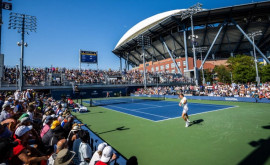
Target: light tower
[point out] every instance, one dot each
(189, 13)
(143, 41)
(253, 35)
(24, 24)
(201, 50)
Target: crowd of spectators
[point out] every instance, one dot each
(222, 90)
(39, 76)
(36, 129)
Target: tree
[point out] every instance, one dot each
(207, 75)
(223, 74)
(265, 73)
(242, 68)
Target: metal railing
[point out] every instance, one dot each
(50, 80)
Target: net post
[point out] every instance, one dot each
(81, 101)
(91, 102)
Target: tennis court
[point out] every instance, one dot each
(223, 132)
(156, 110)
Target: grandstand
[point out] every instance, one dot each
(165, 28)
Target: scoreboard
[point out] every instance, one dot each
(88, 56)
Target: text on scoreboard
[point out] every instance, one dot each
(88, 56)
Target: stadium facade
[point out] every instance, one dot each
(168, 65)
(221, 30)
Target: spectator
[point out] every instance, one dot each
(18, 106)
(30, 111)
(73, 135)
(46, 127)
(6, 112)
(132, 161)
(20, 152)
(17, 95)
(85, 151)
(4, 131)
(107, 155)
(58, 134)
(6, 148)
(24, 120)
(2, 100)
(48, 136)
(76, 145)
(97, 155)
(62, 144)
(64, 157)
(68, 125)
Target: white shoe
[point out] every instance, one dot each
(188, 121)
(187, 124)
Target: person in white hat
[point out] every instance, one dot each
(10, 100)
(107, 156)
(17, 95)
(20, 152)
(97, 155)
(6, 112)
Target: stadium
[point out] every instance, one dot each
(214, 61)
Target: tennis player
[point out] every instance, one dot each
(183, 103)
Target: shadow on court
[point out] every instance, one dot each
(198, 122)
(117, 129)
(96, 112)
(260, 155)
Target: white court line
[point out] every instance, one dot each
(213, 110)
(139, 111)
(147, 104)
(152, 104)
(127, 114)
(198, 113)
(214, 105)
(170, 118)
(155, 107)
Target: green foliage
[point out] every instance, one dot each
(265, 73)
(207, 75)
(242, 68)
(223, 74)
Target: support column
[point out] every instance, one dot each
(186, 50)
(242, 31)
(175, 64)
(120, 63)
(127, 62)
(209, 50)
(144, 69)
(196, 76)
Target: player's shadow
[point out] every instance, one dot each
(117, 129)
(261, 154)
(194, 122)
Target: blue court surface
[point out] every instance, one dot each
(162, 110)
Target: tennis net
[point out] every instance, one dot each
(125, 100)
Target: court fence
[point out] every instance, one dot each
(216, 98)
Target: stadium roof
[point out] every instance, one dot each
(169, 27)
(145, 24)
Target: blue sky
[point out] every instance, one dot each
(65, 26)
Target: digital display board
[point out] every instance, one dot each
(88, 56)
